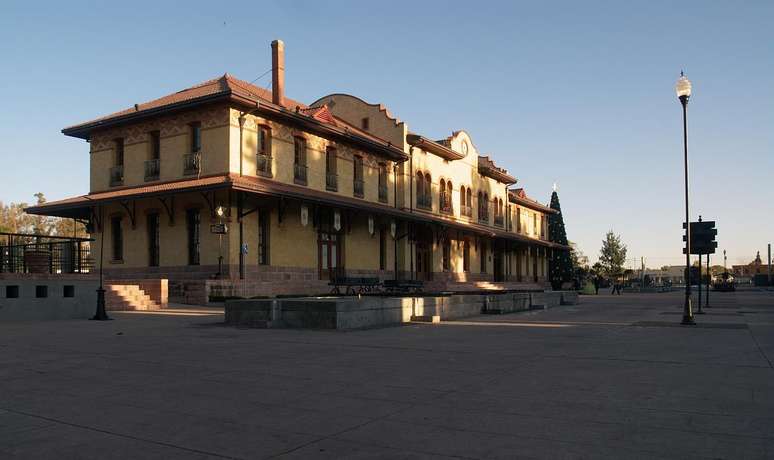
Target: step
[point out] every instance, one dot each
(433, 319)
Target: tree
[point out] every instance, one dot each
(612, 256)
(560, 269)
(13, 219)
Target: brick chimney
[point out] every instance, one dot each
(278, 72)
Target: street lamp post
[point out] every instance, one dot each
(220, 212)
(683, 90)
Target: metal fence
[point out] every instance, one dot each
(32, 253)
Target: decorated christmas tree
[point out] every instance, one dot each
(560, 265)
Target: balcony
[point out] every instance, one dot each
(152, 170)
(192, 164)
(383, 193)
(263, 165)
(117, 175)
(358, 188)
(498, 221)
(331, 182)
(466, 211)
(483, 217)
(299, 174)
(444, 205)
(424, 202)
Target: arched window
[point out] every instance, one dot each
(485, 206)
(420, 189)
(442, 195)
(428, 191)
(449, 189)
(462, 196)
(470, 203)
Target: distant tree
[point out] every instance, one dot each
(560, 267)
(13, 219)
(612, 255)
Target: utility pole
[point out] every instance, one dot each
(709, 281)
(769, 264)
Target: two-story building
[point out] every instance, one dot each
(305, 191)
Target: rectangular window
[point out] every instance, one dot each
(466, 255)
(358, 175)
(41, 291)
(196, 136)
(263, 237)
(331, 176)
(117, 238)
(263, 151)
(518, 220)
(534, 224)
(446, 255)
(364, 123)
(482, 256)
(264, 140)
(11, 291)
(299, 161)
(153, 240)
(382, 249)
(68, 290)
(155, 145)
(119, 151)
(193, 224)
(382, 182)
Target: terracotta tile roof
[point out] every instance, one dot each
(224, 85)
(131, 192)
(518, 195)
(488, 168)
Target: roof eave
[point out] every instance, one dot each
(433, 147)
(83, 131)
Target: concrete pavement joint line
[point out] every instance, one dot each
(760, 350)
(360, 425)
(597, 422)
(120, 435)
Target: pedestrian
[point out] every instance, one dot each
(597, 281)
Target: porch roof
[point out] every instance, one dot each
(81, 206)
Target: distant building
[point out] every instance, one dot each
(756, 267)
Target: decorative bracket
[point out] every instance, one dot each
(169, 206)
(132, 212)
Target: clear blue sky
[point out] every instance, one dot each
(580, 93)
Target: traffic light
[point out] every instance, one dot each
(702, 237)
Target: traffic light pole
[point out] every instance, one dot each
(709, 281)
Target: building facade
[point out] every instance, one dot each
(304, 191)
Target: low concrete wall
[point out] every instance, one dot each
(347, 313)
(80, 303)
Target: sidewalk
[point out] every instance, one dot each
(615, 376)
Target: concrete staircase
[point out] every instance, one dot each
(128, 297)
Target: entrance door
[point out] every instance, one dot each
(535, 266)
(424, 255)
(328, 254)
(497, 261)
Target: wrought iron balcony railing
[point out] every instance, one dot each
(466, 210)
(192, 163)
(498, 221)
(299, 174)
(117, 175)
(263, 164)
(424, 201)
(152, 168)
(483, 216)
(445, 205)
(383, 193)
(331, 182)
(358, 187)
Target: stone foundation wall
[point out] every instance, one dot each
(348, 313)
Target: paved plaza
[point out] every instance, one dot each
(612, 377)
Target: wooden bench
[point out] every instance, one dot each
(404, 286)
(353, 284)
